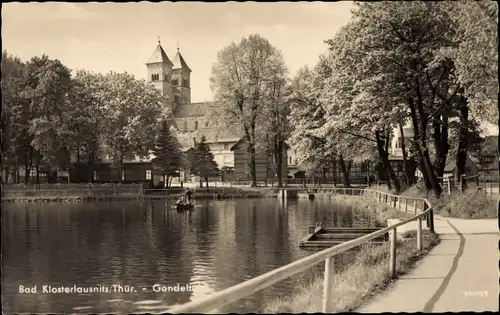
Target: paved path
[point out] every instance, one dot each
(459, 274)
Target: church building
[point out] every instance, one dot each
(173, 80)
(192, 121)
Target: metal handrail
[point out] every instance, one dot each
(261, 282)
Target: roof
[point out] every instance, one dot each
(212, 135)
(179, 62)
(192, 110)
(242, 140)
(159, 56)
(452, 163)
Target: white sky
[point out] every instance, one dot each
(105, 37)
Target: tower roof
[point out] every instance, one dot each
(159, 55)
(179, 62)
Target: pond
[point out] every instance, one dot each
(85, 258)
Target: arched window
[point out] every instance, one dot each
(185, 126)
(196, 125)
(206, 123)
(155, 77)
(175, 81)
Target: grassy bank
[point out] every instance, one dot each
(471, 204)
(367, 276)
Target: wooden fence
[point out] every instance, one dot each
(268, 279)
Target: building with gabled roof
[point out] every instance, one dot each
(193, 121)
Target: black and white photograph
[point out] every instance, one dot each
(250, 157)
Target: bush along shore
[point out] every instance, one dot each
(471, 204)
(83, 196)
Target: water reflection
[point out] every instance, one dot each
(220, 244)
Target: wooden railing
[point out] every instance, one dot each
(247, 288)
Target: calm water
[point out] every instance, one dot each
(220, 244)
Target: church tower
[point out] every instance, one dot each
(159, 69)
(181, 80)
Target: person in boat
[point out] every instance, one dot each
(188, 196)
(180, 202)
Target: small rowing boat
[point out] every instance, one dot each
(182, 207)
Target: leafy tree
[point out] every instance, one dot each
(476, 60)
(275, 121)
(134, 111)
(85, 117)
(167, 152)
(359, 112)
(14, 131)
(202, 162)
(306, 117)
(241, 79)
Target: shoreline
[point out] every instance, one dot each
(76, 199)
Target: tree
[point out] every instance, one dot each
(167, 152)
(202, 162)
(241, 79)
(476, 57)
(13, 129)
(359, 112)
(134, 111)
(399, 55)
(85, 117)
(306, 117)
(47, 89)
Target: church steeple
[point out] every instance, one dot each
(179, 62)
(181, 80)
(159, 69)
(159, 56)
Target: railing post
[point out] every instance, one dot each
(399, 203)
(415, 205)
(406, 204)
(392, 256)
(395, 201)
(327, 285)
(419, 233)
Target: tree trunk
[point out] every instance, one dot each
(253, 170)
(345, 172)
(16, 172)
(334, 172)
(386, 149)
(441, 144)
(384, 157)
(27, 171)
(278, 157)
(90, 167)
(409, 171)
(5, 178)
(206, 181)
(462, 142)
(420, 128)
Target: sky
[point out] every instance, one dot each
(104, 37)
